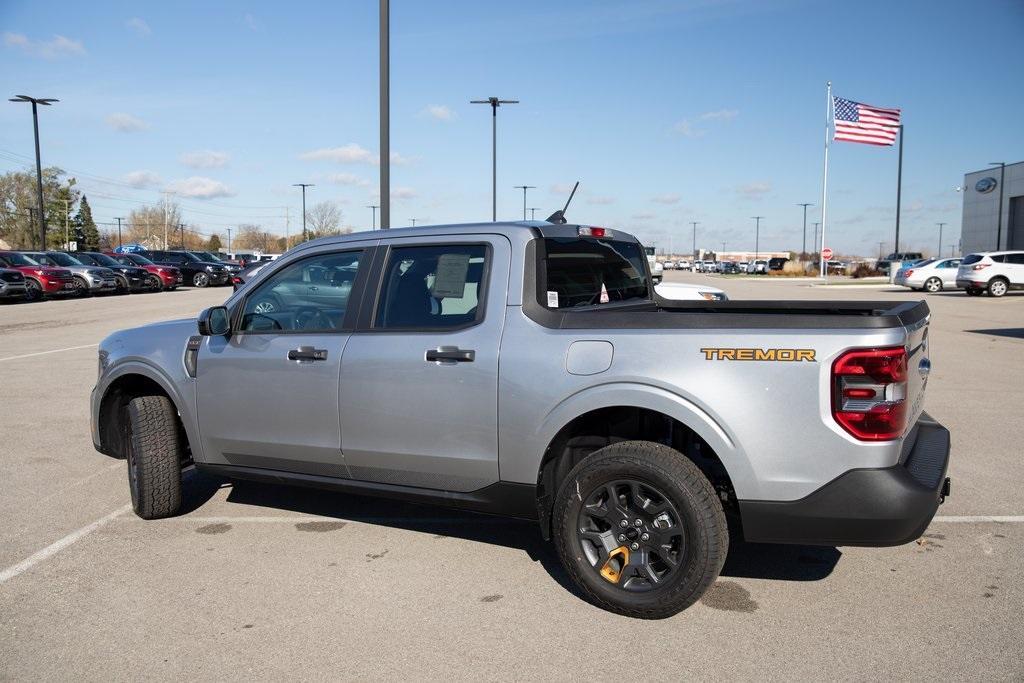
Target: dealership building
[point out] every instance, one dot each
(993, 208)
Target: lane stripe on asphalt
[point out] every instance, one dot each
(57, 546)
(43, 353)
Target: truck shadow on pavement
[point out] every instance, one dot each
(745, 560)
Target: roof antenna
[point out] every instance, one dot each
(558, 217)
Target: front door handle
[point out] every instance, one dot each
(307, 353)
(450, 354)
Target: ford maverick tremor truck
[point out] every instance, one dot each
(529, 369)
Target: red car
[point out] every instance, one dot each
(39, 280)
(170, 277)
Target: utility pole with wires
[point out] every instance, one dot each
(695, 224)
(287, 231)
(229, 240)
(119, 219)
(181, 227)
(939, 252)
(303, 186)
(165, 221)
(67, 224)
(805, 205)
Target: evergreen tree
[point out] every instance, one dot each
(213, 244)
(85, 223)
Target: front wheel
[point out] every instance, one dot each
(998, 287)
(81, 287)
(640, 529)
(200, 280)
(154, 456)
(933, 284)
(33, 291)
(155, 283)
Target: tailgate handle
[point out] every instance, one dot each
(450, 354)
(307, 353)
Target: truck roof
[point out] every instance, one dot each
(508, 228)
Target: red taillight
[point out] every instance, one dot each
(236, 280)
(594, 232)
(908, 273)
(981, 266)
(869, 391)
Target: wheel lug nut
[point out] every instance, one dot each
(623, 523)
(637, 523)
(644, 537)
(635, 546)
(622, 537)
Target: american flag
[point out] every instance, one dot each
(856, 122)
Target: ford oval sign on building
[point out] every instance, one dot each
(986, 185)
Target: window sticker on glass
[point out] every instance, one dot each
(450, 279)
(552, 299)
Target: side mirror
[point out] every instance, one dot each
(214, 322)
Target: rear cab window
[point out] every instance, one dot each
(577, 272)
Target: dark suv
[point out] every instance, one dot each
(129, 278)
(195, 271)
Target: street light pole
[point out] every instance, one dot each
(524, 188)
(533, 213)
(303, 186)
(880, 246)
(694, 224)
(757, 236)
(805, 225)
(816, 236)
(385, 115)
(229, 241)
(998, 224)
(413, 221)
(939, 252)
(495, 103)
(46, 101)
(374, 207)
(119, 219)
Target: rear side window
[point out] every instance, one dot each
(433, 287)
(1015, 258)
(586, 272)
(971, 259)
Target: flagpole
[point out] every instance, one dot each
(899, 193)
(824, 182)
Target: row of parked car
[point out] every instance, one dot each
(995, 272)
(34, 275)
(756, 267)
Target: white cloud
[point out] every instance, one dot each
(403, 193)
(204, 158)
(600, 201)
(720, 115)
(126, 123)
(347, 179)
(138, 26)
(58, 46)
(350, 154)
(141, 179)
(686, 129)
(643, 216)
(250, 22)
(200, 188)
(667, 198)
(439, 112)
(754, 190)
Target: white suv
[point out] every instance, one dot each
(995, 271)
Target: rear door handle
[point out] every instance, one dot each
(450, 354)
(307, 353)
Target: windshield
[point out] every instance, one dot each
(62, 259)
(19, 260)
(205, 256)
(585, 272)
(104, 260)
(135, 259)
(189, 256)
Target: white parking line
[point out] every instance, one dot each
(980, 519)
(57, 546)
(43, 353)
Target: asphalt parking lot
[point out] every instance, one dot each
(289, 583)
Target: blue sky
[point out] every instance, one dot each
(667, 112)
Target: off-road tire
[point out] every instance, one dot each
(154, 456)
(998, 287)
(702, 519)
(933, 285)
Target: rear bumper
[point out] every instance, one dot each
(970, 284)
(867, 507)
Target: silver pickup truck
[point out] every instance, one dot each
(529, 369)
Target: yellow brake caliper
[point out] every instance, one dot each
(608, 570)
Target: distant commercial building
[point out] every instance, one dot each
(981, 217)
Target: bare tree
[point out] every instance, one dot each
(146, 222)
(323, 219)
(254, 237)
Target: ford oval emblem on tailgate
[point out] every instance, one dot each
(924, 367)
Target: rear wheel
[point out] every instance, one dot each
(933, 284)
(122, 284)
(154, 456)
(639, 528)
(998, 287)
